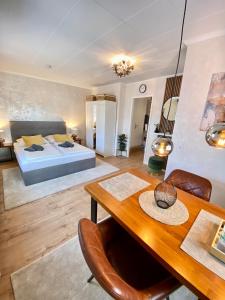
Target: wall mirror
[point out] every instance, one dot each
(173, 108)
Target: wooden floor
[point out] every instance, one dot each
(30, 231)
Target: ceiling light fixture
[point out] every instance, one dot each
(163, 145)
(122, 65)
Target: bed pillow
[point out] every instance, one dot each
(21, 143)
(61, 138)
(50, 138)
(33, 139)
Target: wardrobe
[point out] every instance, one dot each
(101, 126)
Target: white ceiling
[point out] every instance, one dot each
(79, 37)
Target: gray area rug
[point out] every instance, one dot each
(16, 193)
(62, 275)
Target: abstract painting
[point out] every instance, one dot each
(214, 111)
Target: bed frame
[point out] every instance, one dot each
(19, 128)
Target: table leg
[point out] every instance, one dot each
(94, 207)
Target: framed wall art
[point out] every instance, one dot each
(214, 111)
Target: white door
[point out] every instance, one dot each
(110, 128)
(100, 127)
(90, 122)
(139, 111)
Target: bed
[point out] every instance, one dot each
(54, 161)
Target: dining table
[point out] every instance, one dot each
(162, 241)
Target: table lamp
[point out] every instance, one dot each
(75, 132)
(1, 139)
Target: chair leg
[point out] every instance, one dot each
(90, 278)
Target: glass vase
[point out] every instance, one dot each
(165, 195)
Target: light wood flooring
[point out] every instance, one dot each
(30, 231)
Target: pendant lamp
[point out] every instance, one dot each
(215, 135)
(163, 145)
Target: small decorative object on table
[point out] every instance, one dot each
(76, 139)
(218, 245)
(157, 130)
(165, 195)
(75, 135)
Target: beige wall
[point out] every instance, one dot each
(191, 152)
(25, 98)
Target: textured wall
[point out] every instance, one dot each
(25, 98)
(191, 152)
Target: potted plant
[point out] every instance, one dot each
(122, 141)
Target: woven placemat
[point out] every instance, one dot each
(198, 242)
(124, 185)
(174, 215)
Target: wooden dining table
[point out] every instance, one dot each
(161, 240)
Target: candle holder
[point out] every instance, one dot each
(165, 195)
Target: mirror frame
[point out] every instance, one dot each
(172, 114)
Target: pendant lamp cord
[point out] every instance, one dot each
(178, 60)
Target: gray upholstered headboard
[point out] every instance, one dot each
(19, 128)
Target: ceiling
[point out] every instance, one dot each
(77, 38)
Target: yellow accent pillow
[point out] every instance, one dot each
(61, 138)
(33, 139)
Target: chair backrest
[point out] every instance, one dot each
(93, 248)
(191, 183)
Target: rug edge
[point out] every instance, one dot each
(9, 207)
(75, 237)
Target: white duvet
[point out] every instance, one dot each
(49, 152)
(72, 150)
(51, 155)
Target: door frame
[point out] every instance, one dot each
(131, 118)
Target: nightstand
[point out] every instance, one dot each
(76, 139)
(9, 146)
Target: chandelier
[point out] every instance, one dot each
(122, 65)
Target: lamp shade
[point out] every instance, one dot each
(75, 130)
(215, 135)
(162, 146)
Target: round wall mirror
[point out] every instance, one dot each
(173, 108)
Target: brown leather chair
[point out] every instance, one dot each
(191, 183)
(121, 266)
